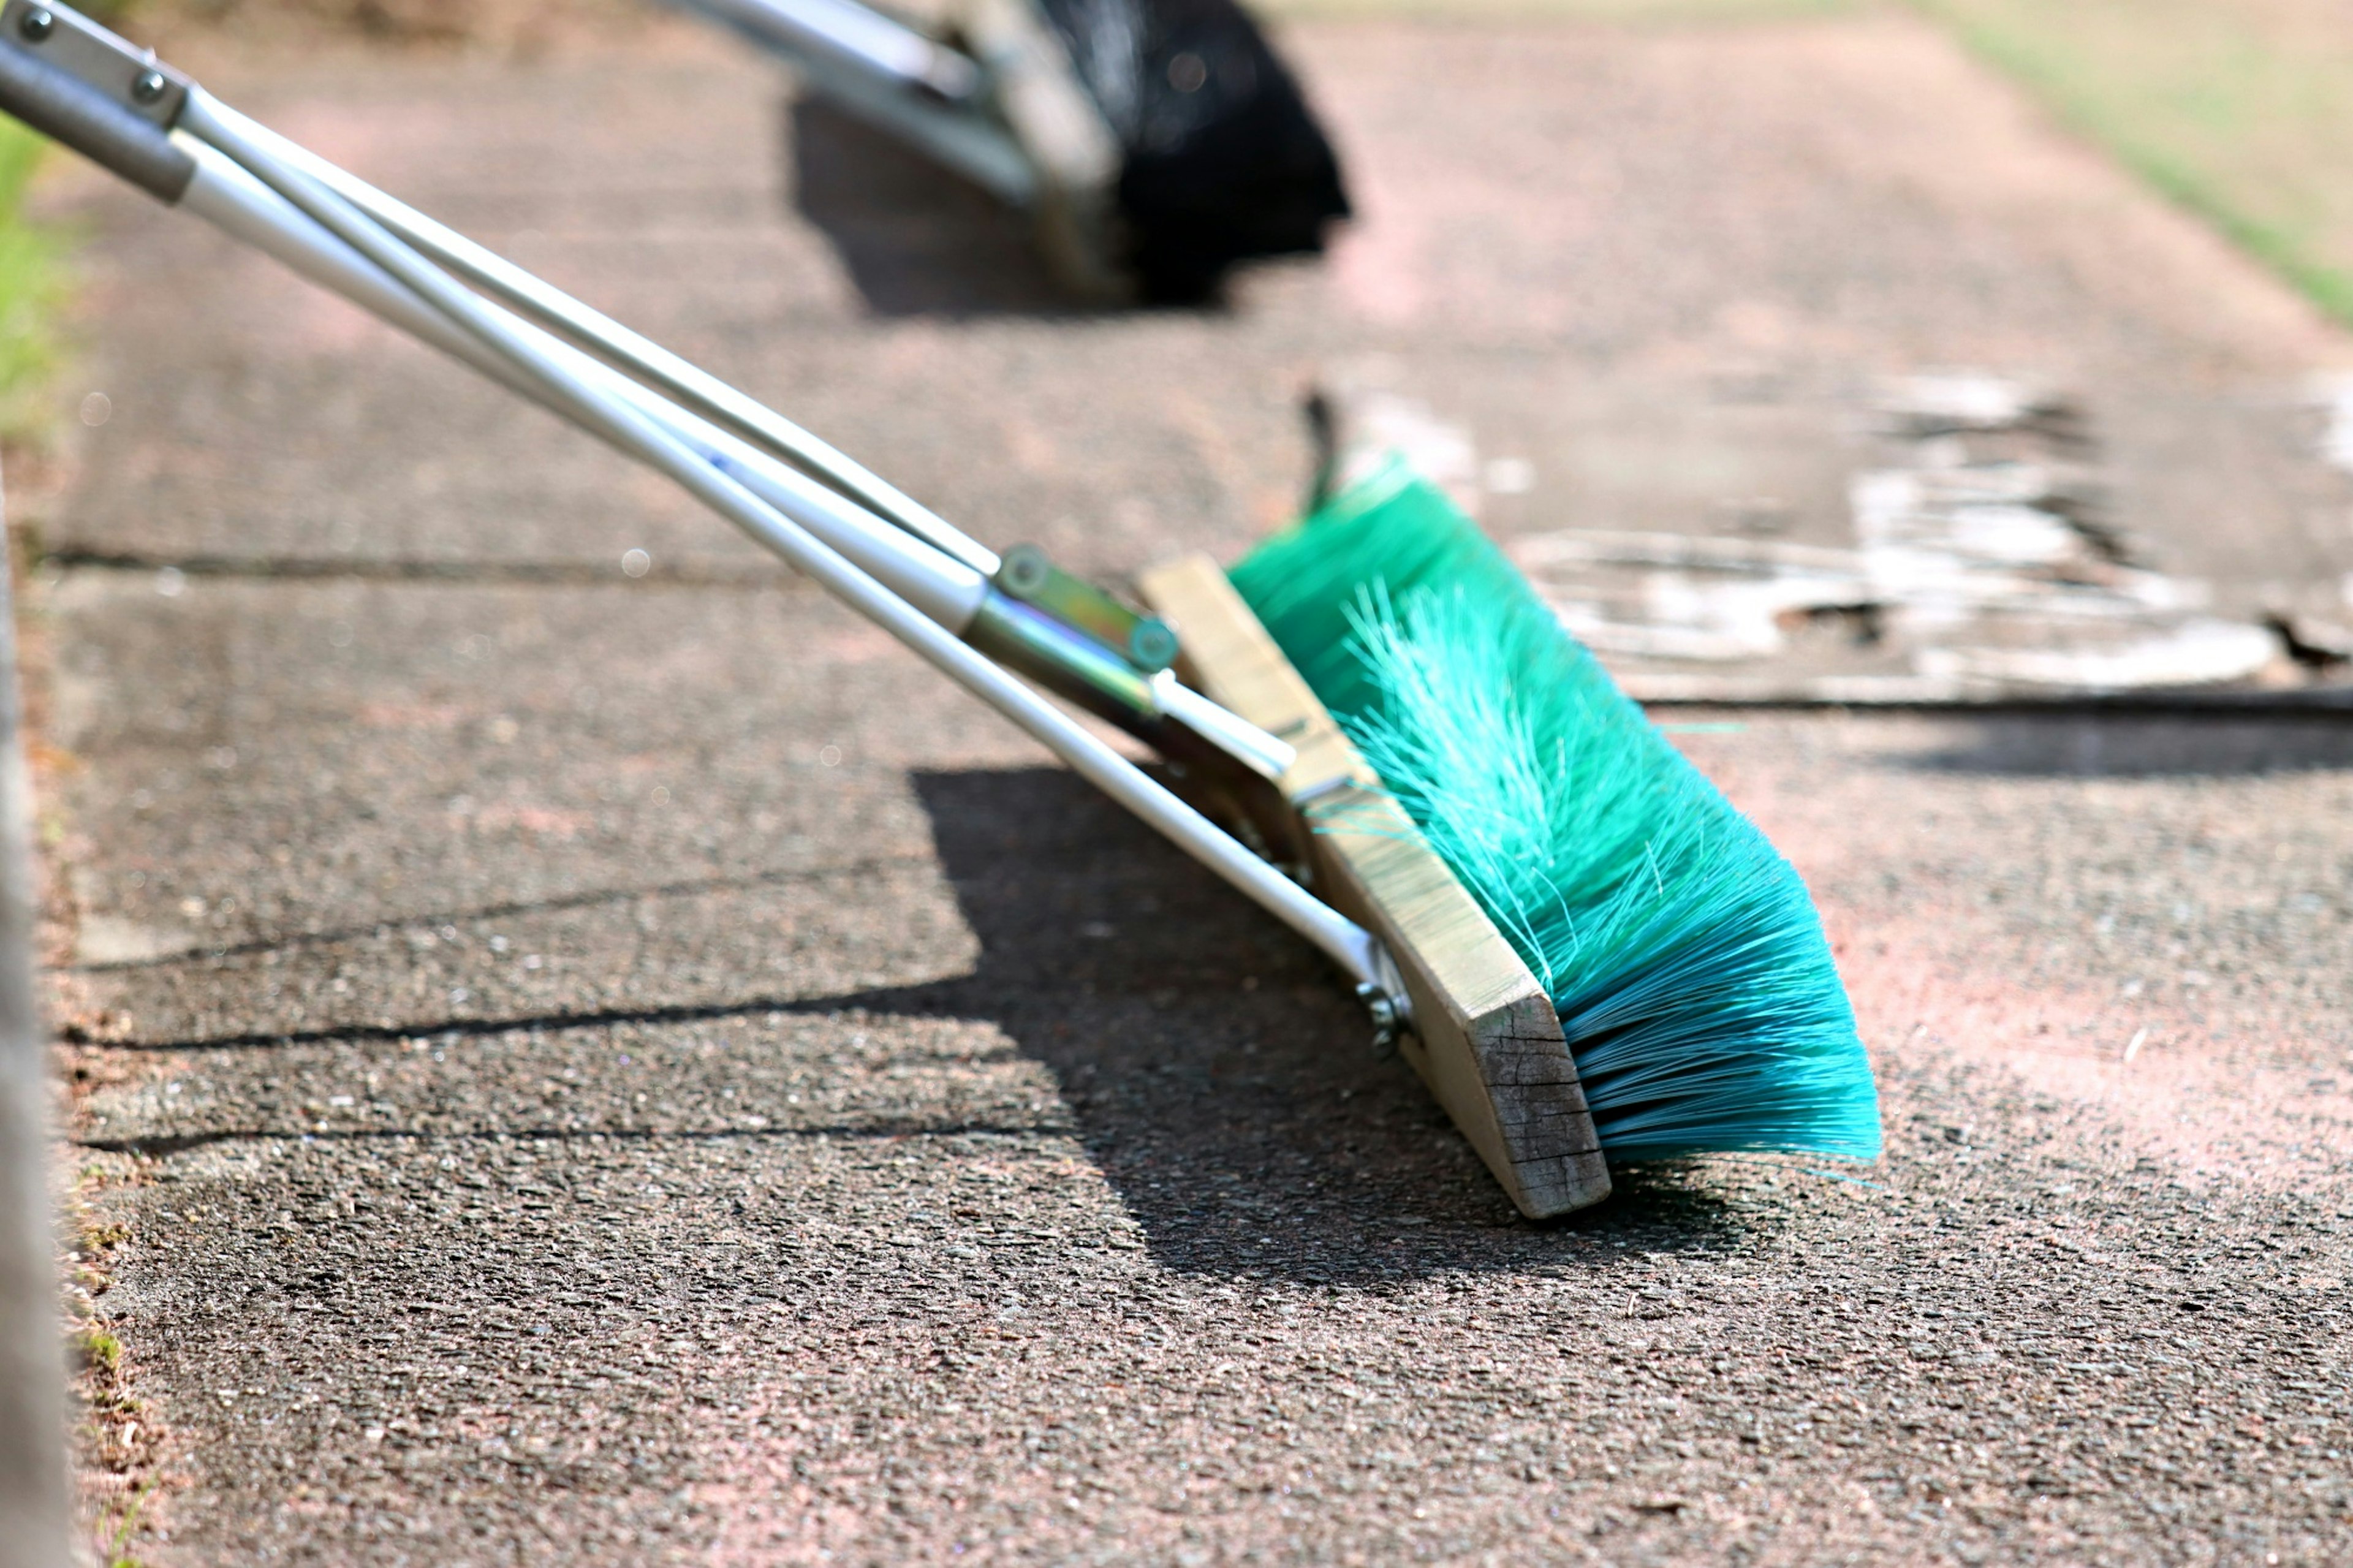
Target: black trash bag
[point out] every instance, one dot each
(1223, 161)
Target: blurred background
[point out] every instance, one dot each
(2027, 315)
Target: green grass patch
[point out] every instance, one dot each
(2240, 110)
(32, 286)
(119, 1524)
(100, 1351)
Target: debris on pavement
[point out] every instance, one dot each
(1986, 568)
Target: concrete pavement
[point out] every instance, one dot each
(639, 1070)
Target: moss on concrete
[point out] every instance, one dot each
(31, 285)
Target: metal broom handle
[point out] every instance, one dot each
(120, 107)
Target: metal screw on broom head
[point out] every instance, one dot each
(1387, 1023)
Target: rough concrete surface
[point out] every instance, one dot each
(620, 1070)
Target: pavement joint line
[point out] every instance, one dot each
(524, 574)
(698, 887)
(166, 1146)
(477, 1029)
(2324, 705)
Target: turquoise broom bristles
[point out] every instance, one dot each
(1682, 952)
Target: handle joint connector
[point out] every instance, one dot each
(127, 74)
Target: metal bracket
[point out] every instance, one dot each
(1144, 641)
(116, 67)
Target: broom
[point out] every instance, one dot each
(1153, 143)
(1693, 984)
(1704, 1001)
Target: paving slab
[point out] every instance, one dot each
(1661, 266)
(641, 1071)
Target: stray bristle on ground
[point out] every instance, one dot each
(1684, 955)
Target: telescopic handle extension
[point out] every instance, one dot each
(56, 69)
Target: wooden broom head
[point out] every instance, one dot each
(1487, 1039)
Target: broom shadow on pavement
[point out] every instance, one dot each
(1215, 1073)
(914, 239)
(1209, 1064)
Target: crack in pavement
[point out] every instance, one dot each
(513, 910)
(526, 574)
